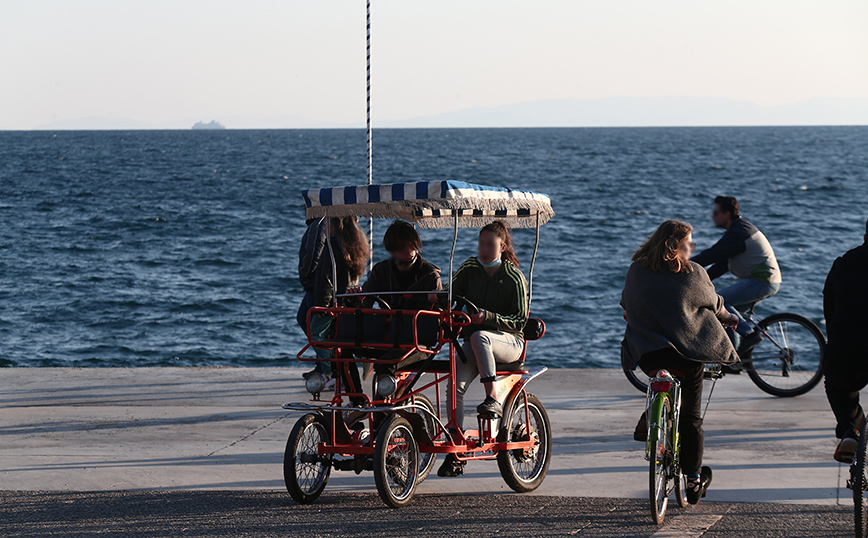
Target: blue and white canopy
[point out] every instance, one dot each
(432, 204)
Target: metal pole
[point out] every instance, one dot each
(334, 265)
(370, 138)
(532, 261)
(452, 253)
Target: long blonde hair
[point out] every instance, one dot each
(659, 252)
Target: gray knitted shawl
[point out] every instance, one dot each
(677, 310)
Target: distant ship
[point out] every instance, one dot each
(213, 124)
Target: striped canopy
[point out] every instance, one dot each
(432, 204)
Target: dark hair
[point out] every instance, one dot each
(354, 245)
(660, 250)
(401, 234)
(728, 204)
(500, 229)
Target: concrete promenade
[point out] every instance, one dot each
(173, 430)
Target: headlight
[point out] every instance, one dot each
(314, 383)
(386, 385)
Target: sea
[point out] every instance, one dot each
(180, 248)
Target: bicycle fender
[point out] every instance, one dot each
(655, 416)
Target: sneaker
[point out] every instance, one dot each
(490, 408)
(329, 384)
(641, 431)
(846, 451)
(698, 487)
(749, 342)
(451, 467)
(308, 374)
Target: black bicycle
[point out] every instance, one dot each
(788, 362)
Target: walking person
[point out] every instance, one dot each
(351, 253)
(313, 244)
(845, 363)
(674, 322)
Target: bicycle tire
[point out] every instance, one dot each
(859, 483)
(304, 473)
(635, 376)
(794, 369)
(522, 470)
(427, 459)
(658, 481)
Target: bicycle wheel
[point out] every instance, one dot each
(659, 461)
(427, 459)
(635, 376)
(525, 469)
(681, 490)
(859, 484)
(396, 462)
(789, 361)
(305, 472)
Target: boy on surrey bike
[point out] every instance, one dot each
(845, 364)
(492, 282)
(674, 321)
(746, 253)
(404, 270)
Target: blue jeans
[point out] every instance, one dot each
(740, 296)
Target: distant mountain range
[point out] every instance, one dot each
(607, 112)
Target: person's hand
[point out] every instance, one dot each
(478, 317)
(354, 289)
(433, 298)
(732, 322)
(625, 316)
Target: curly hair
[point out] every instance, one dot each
(659, 252)
(354, 245)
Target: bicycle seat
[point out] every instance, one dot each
(510, 368)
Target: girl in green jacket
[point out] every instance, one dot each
(493, 282)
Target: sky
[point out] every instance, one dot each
(162, 61)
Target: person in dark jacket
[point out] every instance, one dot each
(313, 243)
(351, 254)
(404, 270)
(845, 363)
(493, 282)
(674, 323)
(746, 253)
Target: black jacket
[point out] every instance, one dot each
(423, 276)
(313, 245)
(324, 290)
(845, 302)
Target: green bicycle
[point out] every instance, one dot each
(663, 450)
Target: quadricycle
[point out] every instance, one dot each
(398, 429)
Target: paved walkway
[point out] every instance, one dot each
(165, 432)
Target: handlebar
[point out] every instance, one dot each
(472, 309)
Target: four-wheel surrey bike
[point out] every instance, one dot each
(398, 431)
(788, 361)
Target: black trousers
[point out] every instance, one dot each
(846, 371)
(690, 426)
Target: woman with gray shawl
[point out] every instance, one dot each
(674, 322)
